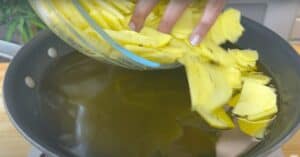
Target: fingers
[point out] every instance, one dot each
(142, 10)
(172, 13)
(211, 13)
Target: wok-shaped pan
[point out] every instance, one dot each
(29, 66)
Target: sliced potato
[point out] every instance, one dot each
(125, 6)
(222, 89)
(232, 27)
(200, 83)
(139, 50)
(112, 20)
(103, 4)
(245, 59)
(256, 101)
(158, 55)
(217, 53)
(130, 37)
(233, 76)
(153, 33)
(209, 88)
(68, 10)
(234, 100)
(258, 77)
(217, 119)
(163, 57)
(152, 20)
(254, 128)
(216, 33)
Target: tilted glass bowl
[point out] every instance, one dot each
(93, 41)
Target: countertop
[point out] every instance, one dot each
(13, 145)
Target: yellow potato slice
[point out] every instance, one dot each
(231, 25)
(153, 33)
(234, 100)
(198, 76)
(68, 10)
(131, 37)
(139, 50)
(214, 53)
(258, 77)
(209, 88)
(112, 20)
(217, 119)
(152, 20)
(245, 59)
(233, 76)
(222, 89)
(216, 33)
(256, 101)
(99, 19)
(95, 13)
(254, 128)
(88, 5)
(125, 6)
(103, 4)
(226, 28)
(161, 55)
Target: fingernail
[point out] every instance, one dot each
(195, 39)
(132, 26)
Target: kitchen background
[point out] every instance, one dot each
(19, 24)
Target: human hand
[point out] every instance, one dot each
(173, 12)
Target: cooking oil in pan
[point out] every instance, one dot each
(93, 109)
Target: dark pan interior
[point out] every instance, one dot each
(276, 56)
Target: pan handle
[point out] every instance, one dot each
(8, 50)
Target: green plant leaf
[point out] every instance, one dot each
(28, 29)
(11, 28)
(38, 24)
(22, 31)
(19, 18)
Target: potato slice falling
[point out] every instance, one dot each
(217, 119)
(256, 101)
(209, 87)
(227, 27)
(231, 25)
(254, 128)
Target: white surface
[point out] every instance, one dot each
(281, 15)
(296, 30)
(34, 152)
(234, 142)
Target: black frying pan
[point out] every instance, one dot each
(29, 66)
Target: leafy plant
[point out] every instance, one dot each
(20, 19)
